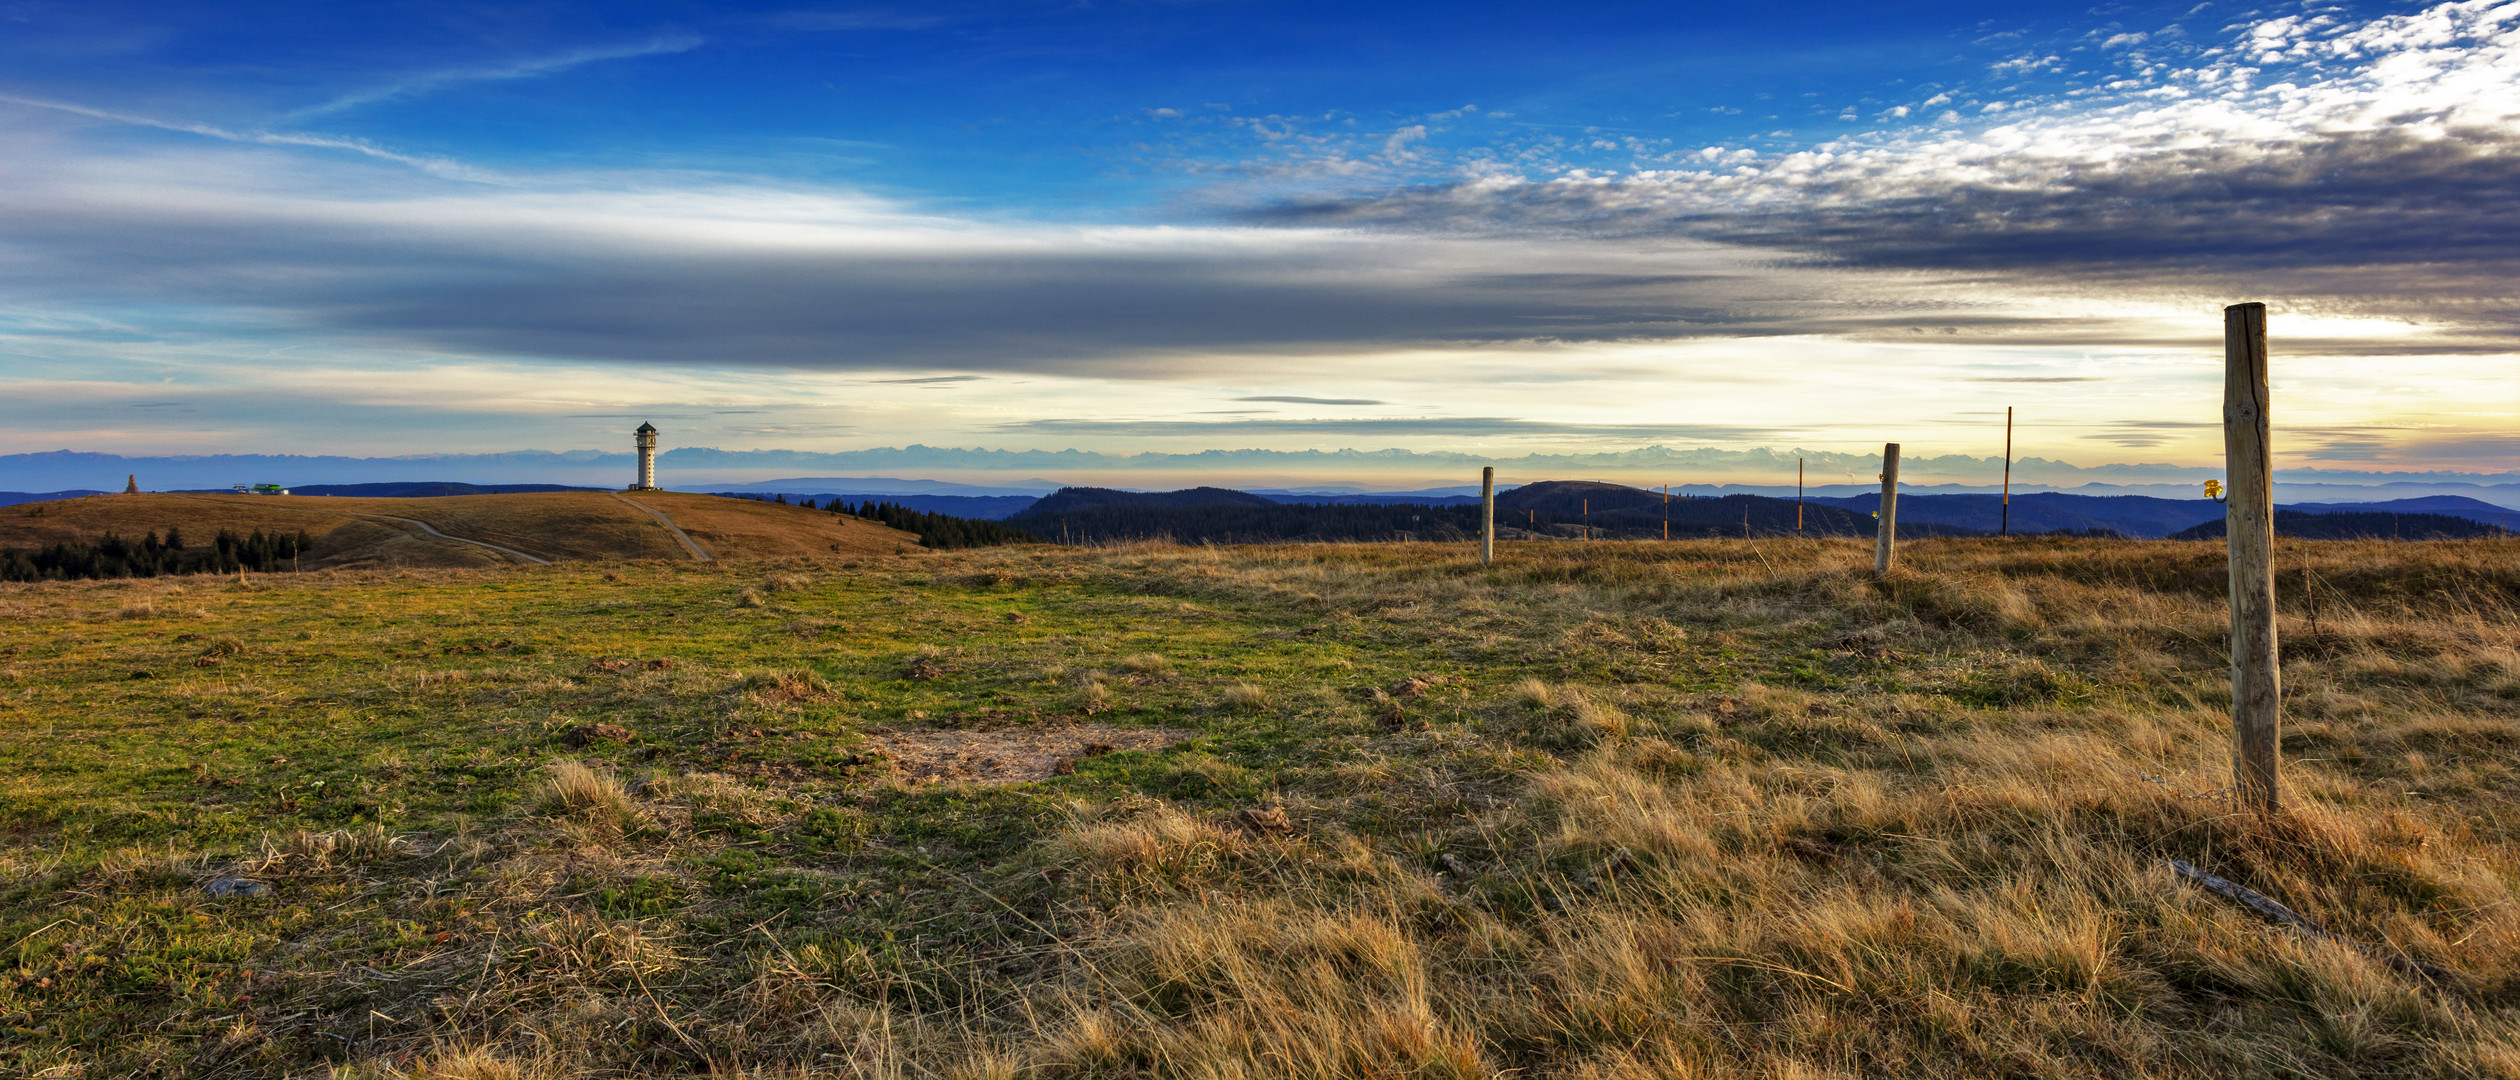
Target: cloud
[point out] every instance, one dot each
(673, 270)
(529, 68)
(2394, 141)
(263, 138)
(1453, 426)
(2366, 193)
(2144, 434)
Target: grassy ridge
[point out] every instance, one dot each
(358, 533)
(1704, 808)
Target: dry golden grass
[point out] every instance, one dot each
(594, 800)
(1244, 696)
(1704, 809)
(737, 529)
(1908, 890)
(353, 532)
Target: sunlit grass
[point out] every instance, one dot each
(1705, 808)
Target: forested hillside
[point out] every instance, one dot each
(1220, 516)
(2352, 525)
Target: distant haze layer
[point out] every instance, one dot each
(943, 470)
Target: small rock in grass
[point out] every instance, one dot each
(1394, 718)
(1266, 820)
(226, 887)
(583, 734)
(1619, 862)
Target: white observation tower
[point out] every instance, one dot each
(647, 458)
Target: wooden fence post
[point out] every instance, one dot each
(1886, 544)
(1487, 515)
(2249, 530)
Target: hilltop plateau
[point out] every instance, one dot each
(463, 530)
(1715, 808)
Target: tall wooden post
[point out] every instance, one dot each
(1487, 515)
(2005, 529)
(1884, 546)
(1798, 496)
(2249, 526)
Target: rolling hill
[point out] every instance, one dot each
(2137, 516)
(2360, 525)
(13, 498)
(1553, 507)
(978, 507)
(1224, 516)
(428, 489)
(466, 530)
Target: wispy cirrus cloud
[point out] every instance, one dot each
(527, 68)
(1409, 426)
(436, 166)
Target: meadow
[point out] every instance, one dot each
(1691, 809)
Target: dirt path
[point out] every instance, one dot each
(680, 536)
(432, 530)
(414, 522)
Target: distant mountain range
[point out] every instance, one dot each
(1224, 516)
(968, 501)
(2139, 516)
(1321, 474)
(1582, 508)
(1579, 504)
(887, 485)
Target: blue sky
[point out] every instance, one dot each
(1174, 226)
(1061, 111)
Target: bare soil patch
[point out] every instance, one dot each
(1008, 755)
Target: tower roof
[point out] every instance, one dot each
(645, 428)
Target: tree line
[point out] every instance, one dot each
(940, 531)
(113, 556)
(1240, 523)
